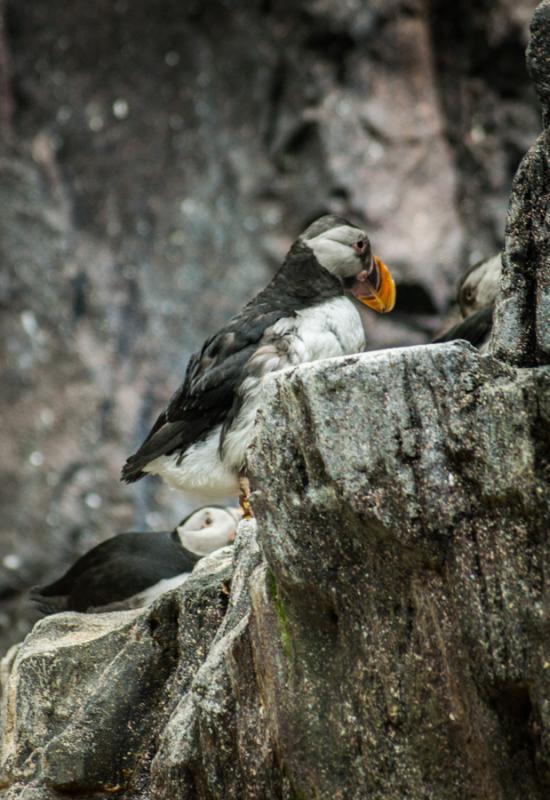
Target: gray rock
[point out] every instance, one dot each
(156, 162)
(96, 689)
(522, 315)
(396, 642)
(382, 628)
(390, 642)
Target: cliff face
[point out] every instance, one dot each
(381, 629)
(388, 640)
(156, 160)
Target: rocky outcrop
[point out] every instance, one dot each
(380, 630)
(396, 645)
(157, 159)
(85, 696)
(389, 640)
(522, 329)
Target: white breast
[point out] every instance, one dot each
(328, 330)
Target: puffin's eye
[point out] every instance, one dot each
(208, 520)
(361, 246)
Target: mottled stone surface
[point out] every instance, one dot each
(522, 316)
(157, 159)
(408, 546)
(389, 639)
(96, 690)
(381, 629)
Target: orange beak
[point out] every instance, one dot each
(381, 299)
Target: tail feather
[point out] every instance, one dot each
(48, 605)
(163, 440)
(132, 471)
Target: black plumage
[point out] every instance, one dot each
(114, 571)
(131, 569)
(476, 328)
(207, 396)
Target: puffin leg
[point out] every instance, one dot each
(244, 495)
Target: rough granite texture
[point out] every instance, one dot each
(381, 629)
(102, 686)
(156, 160)
(522, 328)
(389, 640)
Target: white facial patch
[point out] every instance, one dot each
(333, 249)
(489, 283)
(481, 287)
(207, 530)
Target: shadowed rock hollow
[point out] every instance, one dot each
(381, 629)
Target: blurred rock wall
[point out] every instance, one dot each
(158, 158)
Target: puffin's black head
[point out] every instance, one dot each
(345, 251)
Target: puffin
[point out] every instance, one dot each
(480, 285)
(312, 309)
(477, 293)
(131, 569)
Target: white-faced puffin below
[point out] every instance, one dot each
(477, 293)
(311, 310)
(131, 569)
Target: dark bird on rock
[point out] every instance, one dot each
(131, 569)
(477, 294)
(311, 310)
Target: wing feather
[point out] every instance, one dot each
(474, 329)
(208, 394)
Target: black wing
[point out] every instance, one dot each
(113, 581)
(475, 329)
(115, 570)
(208, 391)
(123, 545)
(207, 394)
